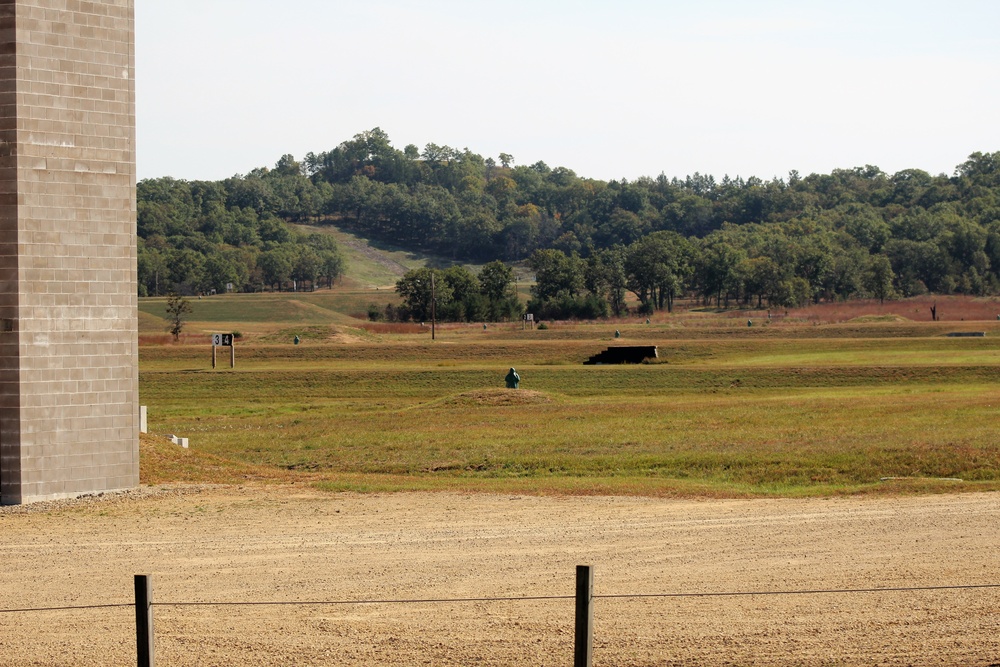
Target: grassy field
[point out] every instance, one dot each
(258, 311)
(369, 263)
(789, 407)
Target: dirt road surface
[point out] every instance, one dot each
(286, 544)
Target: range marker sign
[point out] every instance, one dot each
(225, 340)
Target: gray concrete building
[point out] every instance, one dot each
(69, 413)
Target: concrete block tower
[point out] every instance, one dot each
(69, 414)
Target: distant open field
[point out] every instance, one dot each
(702, 487)
(793, 405)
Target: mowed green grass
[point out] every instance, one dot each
(252, 312)
(715, 416)
(506, 344)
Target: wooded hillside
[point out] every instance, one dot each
(852, 233)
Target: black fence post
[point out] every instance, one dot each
(583, 645)
(144, 619)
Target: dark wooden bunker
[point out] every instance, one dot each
(625, 354)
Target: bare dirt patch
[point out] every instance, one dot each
(289, 544)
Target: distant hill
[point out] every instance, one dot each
(853, 233)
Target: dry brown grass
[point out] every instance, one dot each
(950, 308)
(189, 338)
(163, 462)
(498, 397)
(393, 327)
(918, 309)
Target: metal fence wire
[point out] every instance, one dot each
(584, 597)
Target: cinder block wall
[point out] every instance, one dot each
(69, 413)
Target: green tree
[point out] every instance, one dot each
(556, 274)
(418, 287)
(495, 280)
(331, 266)
(657, 267)
(186, 267)
(177, 310)
(864, 223)
(878, 279)
(152, 269)
(496, 285)
(306, 266)
(716, 268)
(762, 278)
(276, 266)
(220, 270)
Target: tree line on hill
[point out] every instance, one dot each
(206, 237)
(455, 294)
(786, 241)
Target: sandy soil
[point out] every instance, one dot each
(289, 544)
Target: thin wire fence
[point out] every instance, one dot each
(583, 641)
(528, 598)
(68, 608)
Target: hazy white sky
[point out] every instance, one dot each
(609, 89)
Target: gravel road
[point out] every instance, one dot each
(290, 544)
